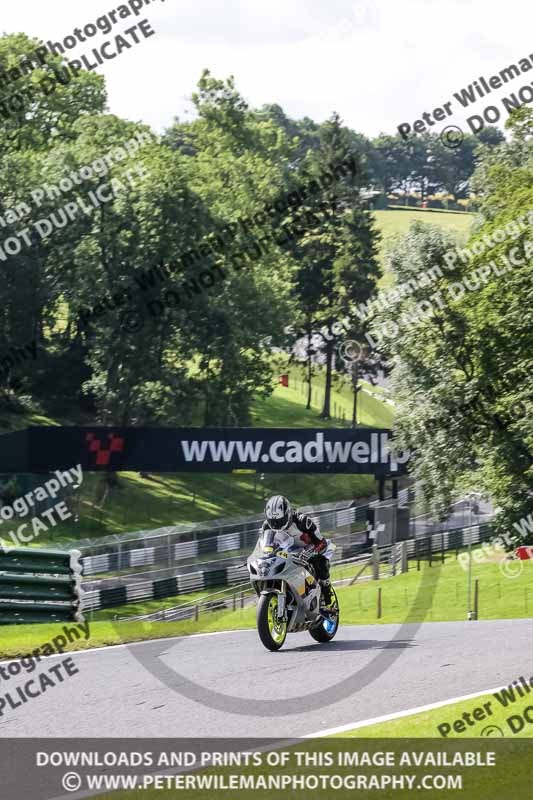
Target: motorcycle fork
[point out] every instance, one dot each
(281, 601)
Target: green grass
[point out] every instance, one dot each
(145, 504)
(285, 409)
(20, 640)
(439, 594)
(150, 606)
(425, 724)
(392, 220)
(372, 412)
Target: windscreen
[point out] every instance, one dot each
(270, 541)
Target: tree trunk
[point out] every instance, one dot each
(309, 365)
(355, 390)
(326, 413)
(206, 390)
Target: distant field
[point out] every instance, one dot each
(371, 411)
(394, 221)
(398, 221)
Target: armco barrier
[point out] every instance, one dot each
(228, 576)
(169, 546)
(39, 586)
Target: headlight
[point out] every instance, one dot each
(279, 568)
(252, 569)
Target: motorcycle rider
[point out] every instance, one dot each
(281, 517)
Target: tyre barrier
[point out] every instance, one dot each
(40, 586)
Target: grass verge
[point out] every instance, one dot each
(496, 714)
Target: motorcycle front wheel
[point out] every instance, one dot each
(272, 631)
(326, 629)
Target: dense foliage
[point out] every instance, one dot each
(463, 360)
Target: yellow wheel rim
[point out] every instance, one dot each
(278, 627)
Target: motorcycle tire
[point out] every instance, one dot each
(319, 632)
(271, 631)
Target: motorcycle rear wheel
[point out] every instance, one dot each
(320, 633)
(272, 631)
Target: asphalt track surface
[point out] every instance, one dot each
(115, 695)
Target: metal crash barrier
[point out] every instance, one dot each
(40, 586)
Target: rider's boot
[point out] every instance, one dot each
(327, 596)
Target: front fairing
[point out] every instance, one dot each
(269, 558)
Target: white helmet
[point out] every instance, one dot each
(278, 512)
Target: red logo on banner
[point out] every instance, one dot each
(103, 454)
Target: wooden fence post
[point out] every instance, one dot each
(404, 561)
(476, 599)
(375, 563)
(379, 603)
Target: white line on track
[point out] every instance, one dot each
(397, 714)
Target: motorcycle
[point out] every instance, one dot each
(288, 591)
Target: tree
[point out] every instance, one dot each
(338, 257)
(38, 116)
(462, 372)
(238, 163)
